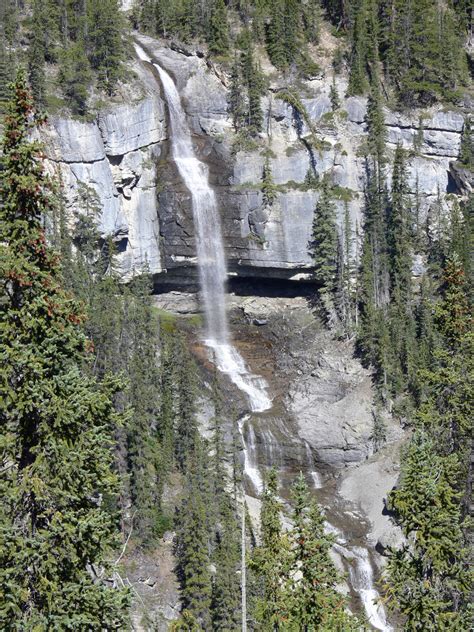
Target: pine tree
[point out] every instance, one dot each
(269, 189)
(147, 473)
(315, 604)
(399, 227)
(75, 77)
(324, 240)
(226, 554)
(186, 409)
(56, 420)
(360, 43)
(193, 539)
(5, 74)
(424, 57)
(219, 29)
(466, 152)
(276, 35)
(236, 102)
(36, 55)
(252, 80)
(270, 561)
(427, 578)
(105, 29)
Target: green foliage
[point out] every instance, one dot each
(270, 560)
(246, 92)
(75, 77)
(334, 96)
(423, 52)
(105, 28)
(192, 549)
(269, 188)
(428, 578)
(466, 152)
(84, 38)
(314, 602)
(57, 420)
(186, 432)
(324, 242)
(219, 29)
(5, 74)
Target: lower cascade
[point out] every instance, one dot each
(213, 275)
(210, 248)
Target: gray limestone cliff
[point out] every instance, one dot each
(124, 155)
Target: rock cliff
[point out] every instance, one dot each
(124, 155)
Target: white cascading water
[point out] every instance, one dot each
(213, 274)
(362, 580)
(210, 249)
(250, 455)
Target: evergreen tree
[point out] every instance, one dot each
(270, 561)
(252, 80)
(36, 55)
(428, 580)
(466, 153)
(276, 35)
(5, 74)
(219, 29)
(399, 227)
(56, 420)
(106, 27)
(236, 102)
(226, 555)
(269, 189)
(315, 602)
(144, 450)
(192, 535)
(186, 432)
(360, 43)
(75, 77)
(424, 58)
(324, 240)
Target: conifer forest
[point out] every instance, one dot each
(236, 337)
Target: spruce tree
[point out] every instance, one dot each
(145, 457)
(253, 82)
(428, 581)
(56, 420)
(270, 561)
(5, 74)
(424, 57)
(36, 55)
(315, 604)
(186, 431)
(323, 243)
(193, 537)
(219, 29)
(105, 36)
(75, 77)
(466, 152)
(428, 578)
(276, 35)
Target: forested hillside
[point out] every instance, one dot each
(339, 130)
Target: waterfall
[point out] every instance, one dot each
(210, 248)
(251, 469)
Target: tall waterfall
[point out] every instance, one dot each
(210, 248)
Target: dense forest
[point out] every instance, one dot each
(101, 394)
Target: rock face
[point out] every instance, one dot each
(124, 155)
(116, 156)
